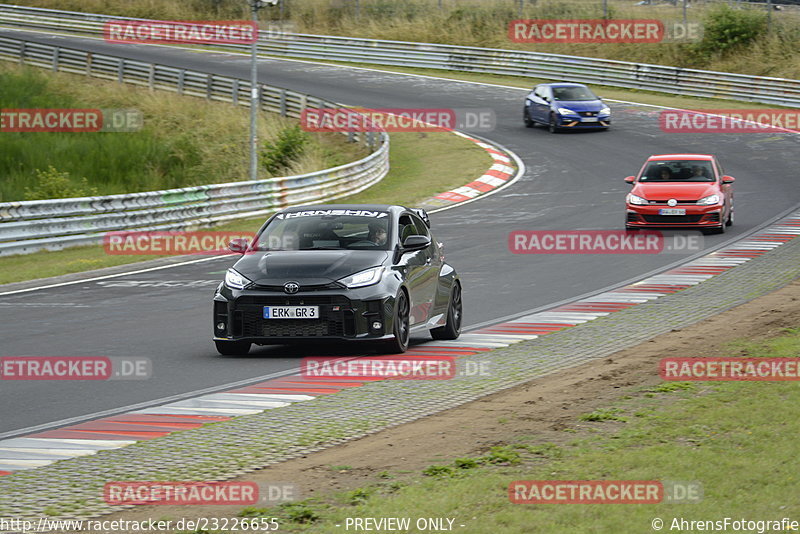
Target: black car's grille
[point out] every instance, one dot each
(318, 287)
(249, 317)
(257, 327)
(293, 300)
(677, 219)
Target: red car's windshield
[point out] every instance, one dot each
(678, 171)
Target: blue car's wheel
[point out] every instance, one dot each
(527, 119)
(553, 125)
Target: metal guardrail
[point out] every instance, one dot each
(659, 78)
(54, 224)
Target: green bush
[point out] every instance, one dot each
(727, 29)
(54, 184)
(290, 144)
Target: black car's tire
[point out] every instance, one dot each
(233, 348)
(526, 119)
(401, 329)
(552, 126)
(452, 328)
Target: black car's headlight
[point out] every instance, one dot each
(235, 280)
(363, 278)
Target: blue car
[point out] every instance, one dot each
(565, 106)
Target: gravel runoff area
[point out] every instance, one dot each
(73, 488)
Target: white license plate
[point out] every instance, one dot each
(589, 119)
(672, 211)
(291, 312)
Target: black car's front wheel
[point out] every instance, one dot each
(401, 328)
(452, 328)
(232, 348)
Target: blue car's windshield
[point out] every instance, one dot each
(573, 93)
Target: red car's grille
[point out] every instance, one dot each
(677, 219)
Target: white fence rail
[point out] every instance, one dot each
(659, 78)
(54, 224)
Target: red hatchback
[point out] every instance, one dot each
(680, 191)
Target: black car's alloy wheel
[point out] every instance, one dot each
(452, 328)
(233, 348)
(401, 327)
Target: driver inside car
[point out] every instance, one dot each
(377, 234)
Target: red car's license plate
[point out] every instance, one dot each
(672, 211)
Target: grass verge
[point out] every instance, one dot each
(736, 439)
(422, 165)
(185, 141)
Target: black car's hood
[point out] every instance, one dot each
(308, 267)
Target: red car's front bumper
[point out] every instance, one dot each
(695, 217)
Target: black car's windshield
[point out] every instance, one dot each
(678, 171)
(326, 230)
(573, 93)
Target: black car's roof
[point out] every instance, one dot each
(370, 207)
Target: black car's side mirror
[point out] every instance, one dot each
(416, 242)
(238, 245)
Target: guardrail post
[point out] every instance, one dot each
(151, 77)
(56, 57)
(22, 52)
(261, 105)
(283, 102)
(209, 84)
(181, 80)
(235, 92)
(121, 70)
(89, 63)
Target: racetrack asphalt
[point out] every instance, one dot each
(573, 181)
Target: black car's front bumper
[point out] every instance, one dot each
(348, 314)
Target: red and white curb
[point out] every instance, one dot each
(44, 448)
(498, 175)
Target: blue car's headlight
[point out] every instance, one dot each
(605, 111)
(565, 111)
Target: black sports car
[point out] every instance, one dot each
(353, 272)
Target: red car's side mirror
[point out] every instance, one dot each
(630, 179)
(728, 179)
